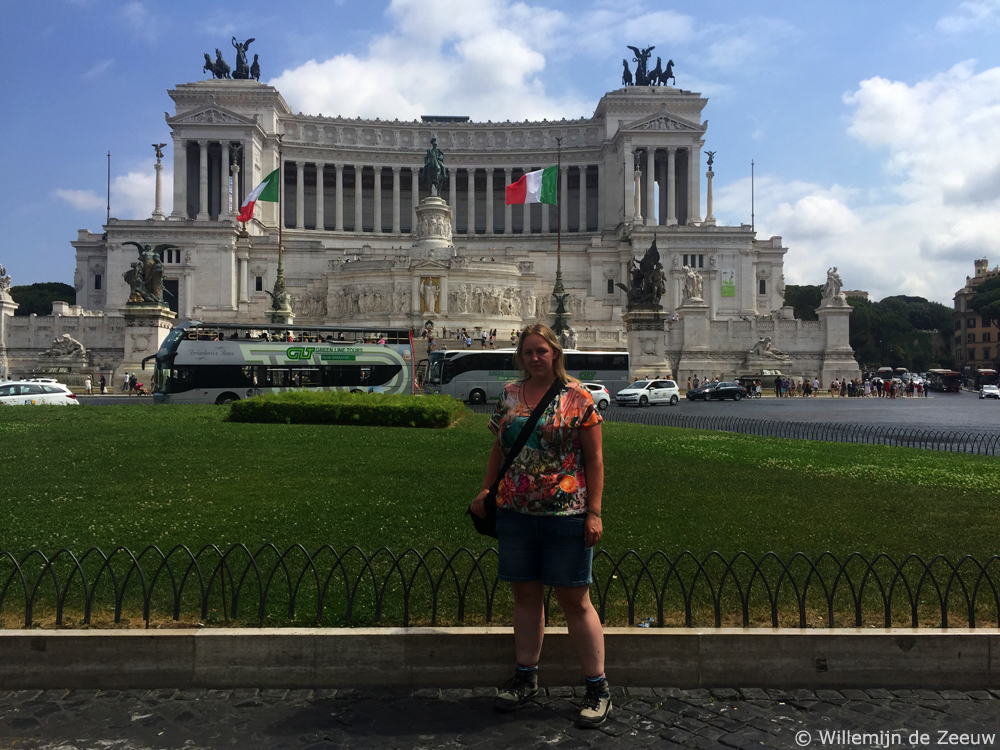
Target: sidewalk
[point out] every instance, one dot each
(348, 718)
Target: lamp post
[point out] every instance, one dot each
(559, 296)
(281, 310)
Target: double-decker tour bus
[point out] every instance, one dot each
(944, 380)
(479, 376)
(217, 363)
(986, 377)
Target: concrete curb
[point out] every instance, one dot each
(473, 657)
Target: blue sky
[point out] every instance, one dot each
(875, 127)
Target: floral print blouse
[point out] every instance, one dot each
(548, 477)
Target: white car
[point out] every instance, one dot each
(989, 391)
(646, 392)
(601, 396)
(24, 392)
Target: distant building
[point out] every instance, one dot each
(856, 293)
(975, 338)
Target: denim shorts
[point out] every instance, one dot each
(549, 549)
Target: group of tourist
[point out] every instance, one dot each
(88, 384)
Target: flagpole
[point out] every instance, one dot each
(751, 197)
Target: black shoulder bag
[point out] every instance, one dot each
(488, 526)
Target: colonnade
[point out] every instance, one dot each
(356, 198)
(200, 165)
(676, 171)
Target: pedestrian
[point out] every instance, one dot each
(104, 385)
(125, 382)
(695, 383)
(484, 338)
(689, 383)
(549, 518)
(777, 386)
(88, 386)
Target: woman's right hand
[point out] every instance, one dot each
(478, 505)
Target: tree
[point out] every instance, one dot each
(900, 331)
(805, 299)
(986, 300)
(38, 298)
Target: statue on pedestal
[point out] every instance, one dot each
(4, 282)
(648, 281)
(641, 59)
(434, 171)
(763, 350)
(832, 294)
(693, 285)
(145, 276)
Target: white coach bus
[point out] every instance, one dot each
(218, 363)
(478, 376)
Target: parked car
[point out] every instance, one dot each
(23, 392)
(717, 392)
(601, 396)
(646, 392)
(989, 391)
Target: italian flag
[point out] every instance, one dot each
(534, 187)
(265, 191)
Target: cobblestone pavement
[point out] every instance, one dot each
(642, 718)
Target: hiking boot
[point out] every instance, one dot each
(517, 691)
(595, 707)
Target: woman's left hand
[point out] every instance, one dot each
(593, 530)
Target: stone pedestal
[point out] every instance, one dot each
(696, 354)
(433, 235)
(644, 332)
(145, 328)
(838, 357)
(787, 312)
(7, 308)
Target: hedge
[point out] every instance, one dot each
(341, 407)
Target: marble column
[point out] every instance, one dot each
(395, 201)
(338, 211)
(414, 197)
(650, 187)
(358, 216)
(453, 197)
(300, 194)
(158, 198)
(320, 208)
(583, 198)
(661, 183)
(244, 261)
(629, 178)
(202, 180)
(600, 196)
(489, 200)
(224, 209)
(471, 216)
(694, 185)
(564, 197)
(508, 213)
(180, 180)
(709, 216)
(526, 212)
(671, 187)
(377, 201)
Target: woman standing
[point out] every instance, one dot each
(549, 517)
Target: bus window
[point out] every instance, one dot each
(277, 377)
(305, 376)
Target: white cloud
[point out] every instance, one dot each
(99, 69)
(132, 194)
(939, 141)
(977, 14)
(482, 59)
(140, 19)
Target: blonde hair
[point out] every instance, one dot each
(558, 360)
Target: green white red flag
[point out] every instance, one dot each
(534, 187)
(265, 191)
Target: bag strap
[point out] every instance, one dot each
(525, 433)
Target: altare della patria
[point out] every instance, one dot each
(371, 236)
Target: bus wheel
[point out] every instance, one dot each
(227, 398)
(477, 397)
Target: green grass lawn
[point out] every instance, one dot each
(137, 475)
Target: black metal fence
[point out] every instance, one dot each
(956, 441)
(350, 587)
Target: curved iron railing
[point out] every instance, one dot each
(350, 587)
(955, 441)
